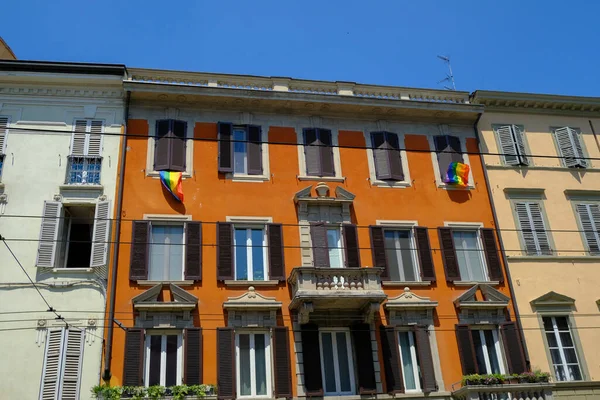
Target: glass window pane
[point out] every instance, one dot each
(559, 371)
(562, 323)
(565, 339)
(154, 363)
(156, 271)
(461, 256)
(548, 324)
(575, 372)
(392, 255)
(175, 249)
(551, 339)
(479, 352)
(261, 364)
(241, 254)
(328, 368)
(344, 366)
(244, 349)
(407, 255)
(171, 373)
(555, 353)
(335, 251)
(407, 362)
(570, 356)
(258, 261)
(239, 152)
(491, 350)
(470, 262)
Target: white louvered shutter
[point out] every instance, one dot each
(533, 229)
(3, 134)
(71, 365)
(47, 245)
(589, 215)
(79, 138)
(570, 147)
(508, 147)
(520, 143)
(51, 371)
(100, 234)
(576, 139)
(94, 145)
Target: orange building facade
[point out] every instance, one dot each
(317, 252)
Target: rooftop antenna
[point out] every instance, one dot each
(449, 77)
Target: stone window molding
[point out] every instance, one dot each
(173, 312)
(482, 305)
(410, 309)
(252, 310)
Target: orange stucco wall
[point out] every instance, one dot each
(209, 197)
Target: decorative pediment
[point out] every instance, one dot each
(324, 195)
(158, 299)
(251, 300)
(553, 299)
(409, 300)
(410, 309)
(482, 296)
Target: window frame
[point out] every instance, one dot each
(498, 347)
(414, 360)
(340, 248)
(524, 198)
(471, 226)
(268, 362)
(250, 265)
(413, 250)
(351, 366)
(163, 355)
(436, 166)
(302, 169)
(189, 144)
(561, 348)
(530, 160)
(87, 162)
(407, 182)
(183, 244)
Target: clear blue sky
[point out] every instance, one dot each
(550, 46)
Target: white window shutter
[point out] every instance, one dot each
(51, 370)
(71, 365)
(94, 145)
(100, 235)
(526, 228)
(3, 134)
(533, 229)
(47, 244)
(541, 236)
(79, 138)
(589, 215)
(570, 147)
(576, 140)
(520, 142)
(508, 146)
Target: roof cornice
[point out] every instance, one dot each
(62, 67)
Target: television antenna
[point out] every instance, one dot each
(449, 76)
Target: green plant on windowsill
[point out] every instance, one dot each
(500, 379)
(107, 392)
(156, 392)
(179, 392)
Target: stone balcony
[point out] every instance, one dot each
(345, 289)
(520, 391)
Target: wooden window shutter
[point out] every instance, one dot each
(491, 255)
(3, 134)
(51, 370)
(100, 235)
(448, 150)
(94, 144)
(508, 145)
(318, 233)
(51, 221)
(380, 156)
(78, 139)
(254, 150)
(394, 382)
(576, 139)
(192, 356)
(424, 251)
(520, 142)
(140, 238)
(226, 363)
(312, 152)
(378, 251)
(326, 152)
(276, 260)
(513, 348)
(466, 349)
(193, 251)
(72, 362)
(311, 354)
(224, 251)
(449, 254)
(133, 364)
(361, 337)
(425, 359)
(396, 172)
(177, 146)
(570, 147)
(225, 147)
(532, 228)
(162, 147)
(589, 215)
(351, 247)
(282, 364)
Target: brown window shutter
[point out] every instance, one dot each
(491, 255)
(449, 254)
(449, 150)
(313, 382)
(177, 149)
(226, 363)
(225, 147)
(424, 252)
(133, 363)
(254, 150)
(140, 238)
(193, 356)
(351, 246)
(396, 172)
(224, 251)
(425, 359)
(281, 358)
(466, 349)
(380, 156)
(193, 251)
(391, 360)
(326, 152)
(276, 260)
(318, 233)
(361, 336)
(162, 145)
(378, 251)
(312, 152)
(513, 348)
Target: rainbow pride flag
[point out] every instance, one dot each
(457, 174)
(172, 182)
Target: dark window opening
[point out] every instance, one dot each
(76, 237)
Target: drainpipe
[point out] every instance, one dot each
(504, 259)
(115, 256)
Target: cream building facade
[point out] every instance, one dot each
(543, 165)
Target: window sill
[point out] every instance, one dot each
(321, 178)
(453, 187)
(154, 283)
(554, 258)
(231, 282)
(472, 283)
(81, 186)
(541, 168)
(72, 270)
(156, 174)
(391, 185)
(407, 283)
(248, 178)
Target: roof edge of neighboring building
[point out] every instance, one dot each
(7, 47)
(63, 67)
(535, 102)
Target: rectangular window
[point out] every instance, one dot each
(170, 145)
(386, 156)
(487, 351)
(562, 349)
(240, 151)
(570, 147)
(469, 254)
(253, 364)
(166, 252)
(532, 228)
(512, 144)
(75, 237)
(250, 253)
(85, 160)
(589, 217)
(410, 363)
(318, 152)
(334, 244)
(163, 359)
(448, 150)
(84, 170)
(336, 361)
(401, 257)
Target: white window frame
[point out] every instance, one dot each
(237, 128)
(163, 356)
(413, 252)
(497, 346)
(414, 360)
(183, 238)
(340, 245)
(471, 226)
(189, 145)
(436, 166)
(371, 162)
(268, 367)
(337, 164)
(250, 266)
(336, 362)
(561, 348)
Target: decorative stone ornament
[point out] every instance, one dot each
(322, 189)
